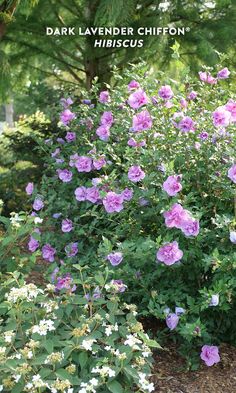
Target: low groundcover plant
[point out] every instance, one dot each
(70, 343)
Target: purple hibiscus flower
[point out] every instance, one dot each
(84, 164)
(81, 193)
(210, 355)
(172, 185)
(66, 225)
(172, 321)
(175, 216)
(38, 204)
(104, 97)
(67, 116)
(138, 99)
(232, 173)
(29, 188)
(64, 175)
(165, 92)
(48, 252)
(70, 136)
(169, 253)
(135, 173)
(142, 121)
(113, 202)
(71, 249)
(115, 258)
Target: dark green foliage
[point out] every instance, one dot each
(20, 161)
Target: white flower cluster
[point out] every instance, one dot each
(15, 220)
(54, 357)
(38, 220)
(132, 341)
(2, 351)
(43, 327)
(36, 383)
(131, 307)
(144, 383)
(110, 328)
(87, 344)
(116, 352)
(8, 336)
(88, 387)
(50, 306)
(50, 288)
(104, 371)
(53, 390)
(28, 292)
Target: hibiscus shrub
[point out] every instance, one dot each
(142, 178)
(52, 343)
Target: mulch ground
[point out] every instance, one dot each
(169, 376)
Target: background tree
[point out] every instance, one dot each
(211, 27)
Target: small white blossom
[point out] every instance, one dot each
(132, 341)
(17, 377)
(144, 383)
(27, 292)
(87, 344)
(8, 336)
(38, 220)
(15, 220)
(104, 371)
(43, 327)
(3, 351)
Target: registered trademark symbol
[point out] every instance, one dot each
(187, 29)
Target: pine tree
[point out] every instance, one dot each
(26, 49)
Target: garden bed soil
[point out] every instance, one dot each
(169, 376)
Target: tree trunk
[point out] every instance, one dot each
(9, 111)
(91, 69)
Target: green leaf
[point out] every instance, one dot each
(131, 372)
(148, 341)
(4, 220)
(18, 388)
(63, 374)
(48, 345)
(83, 358)
(45, 372)
(115, 387)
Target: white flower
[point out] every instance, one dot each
(144, 383)
(104, 371)
(94, 382)
(50, 287)
(50, 306)
(38, 220)
(88, 387)
(15, 220)
(3, 350)
(108, 330)
(8, 336)
(43, 327)
(29, 386)
(87, 344)
(1, 388)
(27, 292)
(17, 377)
(132, 341)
